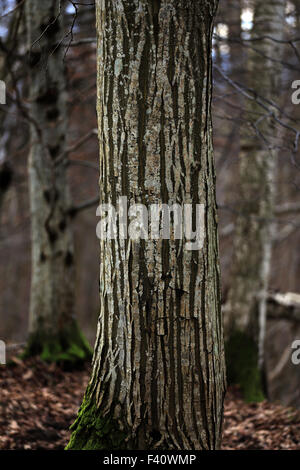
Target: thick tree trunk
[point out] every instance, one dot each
(54, 333)
(158, 375)
(254, 228)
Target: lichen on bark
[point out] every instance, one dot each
(53, 331)
(242, 365)
(66, 347)
(158, 368)
(91, 431)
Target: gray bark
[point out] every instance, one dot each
(158, 371)
(53, 330)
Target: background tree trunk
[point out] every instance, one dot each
(10, 44)
(246, 318)
(54, 333)
(158, 375)
(234, 14)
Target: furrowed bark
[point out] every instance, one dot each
(246, 321)
(158, 375)
(54, 333)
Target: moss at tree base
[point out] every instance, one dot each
(69, 346)
(93, 432)
(242, 366)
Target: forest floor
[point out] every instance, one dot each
(38, 403)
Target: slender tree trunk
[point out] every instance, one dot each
(255, 223)
(296, 4)
(158, 375)
(7, 62)
(234, 14)
(54, 333)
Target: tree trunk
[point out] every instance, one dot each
(7, 62)
(296, 4)
(234, 16)
(54, 333)
(246, 320)
(158, 375)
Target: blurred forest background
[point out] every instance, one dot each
(232, 47)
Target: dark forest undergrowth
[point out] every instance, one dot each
(38, 403)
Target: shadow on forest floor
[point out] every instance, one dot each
(39, 402)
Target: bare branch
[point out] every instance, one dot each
(288, 208)
(73, 211)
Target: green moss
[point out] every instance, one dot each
(91, 431)
(67, 346)
(242, 366)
